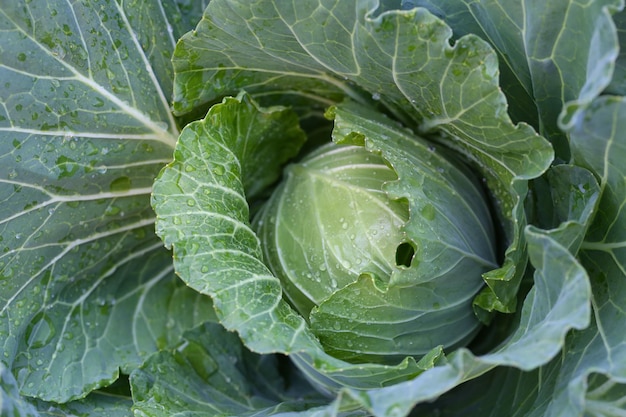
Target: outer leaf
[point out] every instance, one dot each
(210, 373)
(10, 402)
(567, 197)
(96, 404)
(541, 64)
(84, 128)
(215, 250)
(599, 143)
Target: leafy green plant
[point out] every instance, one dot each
(486, 139)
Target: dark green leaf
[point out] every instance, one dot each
(210, 373)
(85, 127)
(541, 64)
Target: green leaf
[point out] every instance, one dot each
(211, 373)
(202, 212)
(598, 143)
(96, 404)
(541, 64)
(10, 402)
(565, 199)
(85, 127)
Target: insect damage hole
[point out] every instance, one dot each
(404, 254)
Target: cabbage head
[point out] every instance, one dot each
(381, 266)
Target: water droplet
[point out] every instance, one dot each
(395, 411)
(121, 184)
(112, 211)
(191, 202)
(428, 212)
(219, 170)
(200, 360)
(6, 273)
(344, 225)
(376, 96)
(189, 168)
(204, 269)
(40, 331)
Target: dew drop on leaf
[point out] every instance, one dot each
(428, 212)
(162, 125)
(112, 211)
(40, 331)
(121, 184)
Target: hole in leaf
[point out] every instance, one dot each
(404, 254)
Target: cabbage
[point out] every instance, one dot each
(374, 284)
